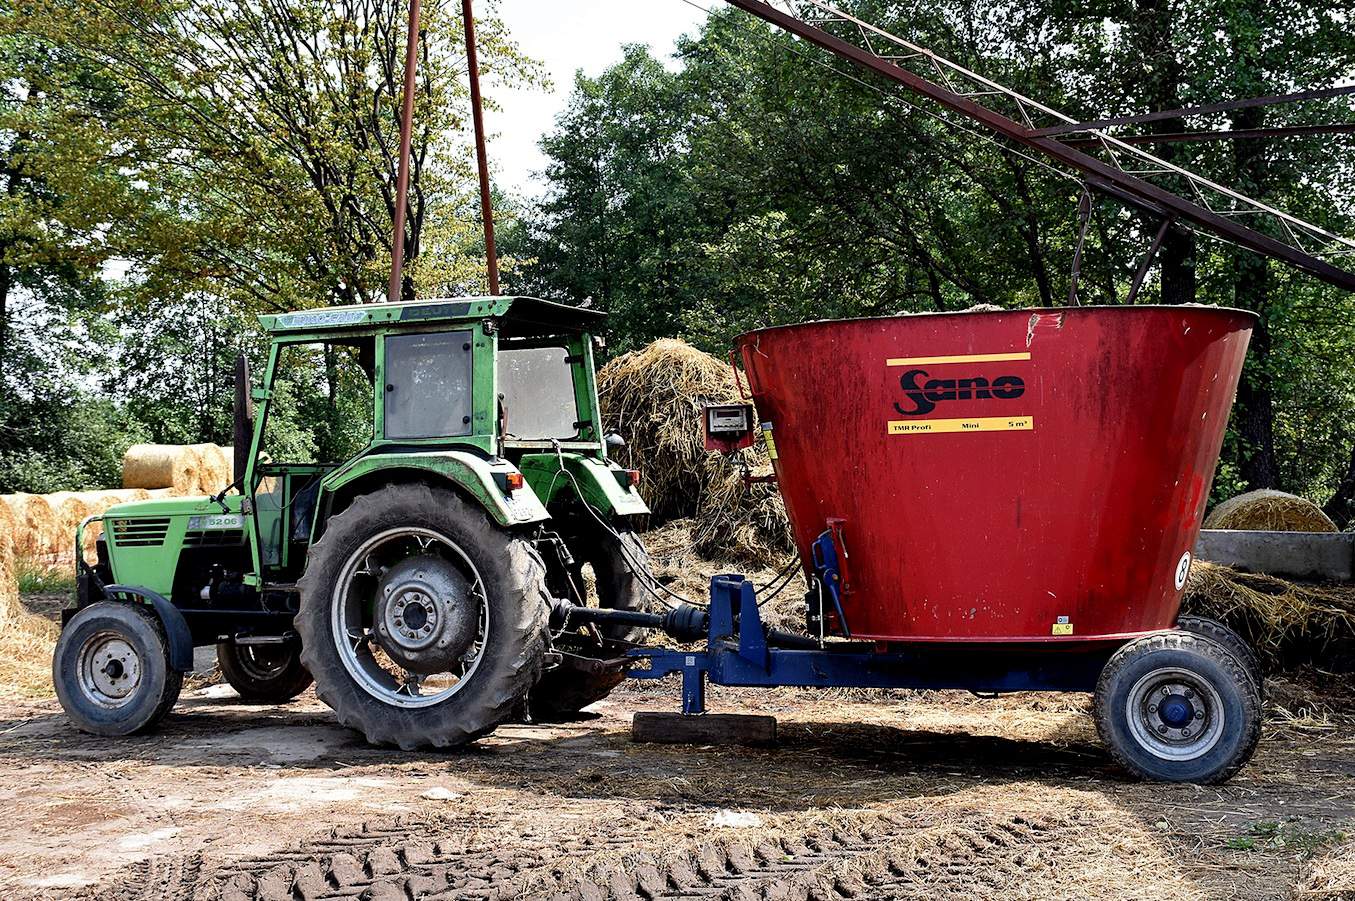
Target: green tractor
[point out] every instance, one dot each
(413, 578)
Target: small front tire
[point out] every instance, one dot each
(265, 673)
(1178, 707)
(111, 670)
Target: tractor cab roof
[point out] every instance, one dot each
(517, 317)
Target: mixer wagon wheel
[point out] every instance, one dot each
(422, 621)
(268, 673)
(589, 671)
(1239, 646)
(1178, 707)
(111, 670)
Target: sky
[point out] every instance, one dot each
(568, 35)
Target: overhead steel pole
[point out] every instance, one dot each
(393, 290)
(481, 157)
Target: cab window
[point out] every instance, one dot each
(428, 385)
(537, 387)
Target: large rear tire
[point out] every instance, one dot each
(422, 621)
(590, 669)
(111, 670)
(266, 673)
(1178, 707)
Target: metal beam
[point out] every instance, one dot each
(1204, 110)
(1143, 193)
(1239, 134)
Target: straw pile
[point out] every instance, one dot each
(36, 530)
(653, 397)
(26, 640)
(1269, 511)
(1289, 624)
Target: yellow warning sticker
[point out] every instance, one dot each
(958, 358)
(979, 424)
(771, 442)
(1063, 628)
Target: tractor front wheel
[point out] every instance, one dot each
(111, 670)
(1178, 707)
(422, 621)
(266, 673)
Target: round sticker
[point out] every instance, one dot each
(1182, 571)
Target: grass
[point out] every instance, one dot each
(40, 578)
(1273, 835)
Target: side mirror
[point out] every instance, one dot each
(614, 441)
(243, 432)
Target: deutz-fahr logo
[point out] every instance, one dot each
(923, 396)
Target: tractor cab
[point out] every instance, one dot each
(488, 406)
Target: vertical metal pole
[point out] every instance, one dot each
(393, 290)
(482, 159)
(1148, 258)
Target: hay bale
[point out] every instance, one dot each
(214, 472)
(1290, 624)
(654, 397)
(1269, 511)
(174, 466)
(36, 531)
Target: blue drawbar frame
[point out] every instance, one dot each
(737, 653)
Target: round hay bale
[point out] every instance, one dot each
(172, 466)
(214, 471)
(1266, 510)
(653, 397)
(36, 529)
(26, 640)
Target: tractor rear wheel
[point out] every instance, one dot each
(1178, 707)
(111, 670)
(422, 621)
(267, 673)
(589, 668)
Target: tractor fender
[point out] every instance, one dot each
(603, 485)
(481, 480)
(177, 634)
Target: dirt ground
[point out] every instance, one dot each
(902, 795)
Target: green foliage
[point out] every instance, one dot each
(170, 168)
(766, 182)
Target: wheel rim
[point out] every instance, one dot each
(110, 670)
(262, 663)
(1174, 714)
(354, 620)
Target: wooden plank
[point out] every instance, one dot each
(704, 729)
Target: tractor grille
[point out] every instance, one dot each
(140, 532)
(213, 537)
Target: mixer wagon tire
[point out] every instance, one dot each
(1178, 707)
(266, 673)
(1239, 646)
(422, 621)
(585, 675)
(111, 670)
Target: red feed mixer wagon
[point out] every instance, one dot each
(998, 501)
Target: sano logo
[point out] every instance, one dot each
(922, 393)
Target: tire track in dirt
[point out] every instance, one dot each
(857, 857)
